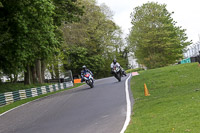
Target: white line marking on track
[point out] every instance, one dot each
(32, 101)
(14, 108)
(128, 110)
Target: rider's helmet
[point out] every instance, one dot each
(114, 61)
(84, 67)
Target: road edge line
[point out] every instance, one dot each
(15, 108)
(128, 110)
(30, 102)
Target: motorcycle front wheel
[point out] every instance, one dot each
(90, 83)
(119, 77)
(91, 86)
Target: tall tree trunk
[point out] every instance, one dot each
(11, 78)
(43, 67)
(27, 80)
(38, 71)
(15, 78)
(56, 69)
(51, 71)
(52, 75)
(34, 75)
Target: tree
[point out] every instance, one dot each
(67, 11)
(154, 37)
(30, 25)
(91, 41)
(29, 34)
(120, 50)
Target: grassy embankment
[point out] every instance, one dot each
(174, 102)
(20, 87)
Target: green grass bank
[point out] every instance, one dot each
(174, 102)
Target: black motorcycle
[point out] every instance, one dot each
(117, 73)
(123, 72)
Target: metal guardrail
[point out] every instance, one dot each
(10, 97)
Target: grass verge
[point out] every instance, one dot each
(134, 70)
(18, 103)
(174, 103)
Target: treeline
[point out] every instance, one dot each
(57, 35)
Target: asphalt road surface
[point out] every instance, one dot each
(101, 109)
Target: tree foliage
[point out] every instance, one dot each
(31, 30)
(48, 33)
(30, 34)
(66, 11)
(154, 38)
(93, 41)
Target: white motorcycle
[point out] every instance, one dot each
(89, 79)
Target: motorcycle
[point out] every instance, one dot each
(117, 73)
(123, 72)
(89, 79)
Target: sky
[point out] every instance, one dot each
(186, 14)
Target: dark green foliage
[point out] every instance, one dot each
(31, 37)
(31, 30)
(79, 56)
(93, 41)
(66, 11)
(155, 39)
